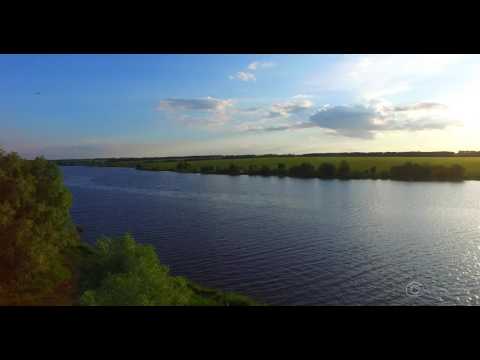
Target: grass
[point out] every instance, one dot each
(471, 164)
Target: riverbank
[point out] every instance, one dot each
(426, 168)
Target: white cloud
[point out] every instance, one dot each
(260, 64)
(205, 104)
(367, 120)
(302, 96)
(207, 111)
(248, 74)
(288, 108)
(243, 76)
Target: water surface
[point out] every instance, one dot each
(289, 241)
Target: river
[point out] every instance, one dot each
(287, 241)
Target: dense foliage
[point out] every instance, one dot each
(118, 271)
(35, 230)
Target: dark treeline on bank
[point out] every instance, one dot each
(132, 161)
(408, 171)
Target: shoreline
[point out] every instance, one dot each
(278, 176)
(344, 168)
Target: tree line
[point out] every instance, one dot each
(417, 172)
(328, 170)
(107, 161)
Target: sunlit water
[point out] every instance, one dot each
(288, 241)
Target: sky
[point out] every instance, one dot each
(86, 106)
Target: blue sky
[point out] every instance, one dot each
(63, 106)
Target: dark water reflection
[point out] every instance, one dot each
(292, 241)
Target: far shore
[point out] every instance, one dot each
(410, 168)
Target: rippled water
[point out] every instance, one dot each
(291, 241)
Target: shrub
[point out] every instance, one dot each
(303, 170)
(281, 169)
(326, 170)
(118, 271)
(121, 272)
(265, 170)
(183, 165)
(233, 169)
(343, 170)
(457, 172)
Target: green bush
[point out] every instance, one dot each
(121, 272)
(118, 271)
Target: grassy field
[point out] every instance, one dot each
(471, 164)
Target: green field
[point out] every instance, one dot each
(471, 164)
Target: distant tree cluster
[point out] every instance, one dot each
(304, 170)
(409, 171)
(327, 170)
(183, 166)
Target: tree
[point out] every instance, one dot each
(233, 169)
(252, 169)
(326, 170)
(281, 169)
(183, 165)
(35, 229)
(121, 272)
(457, 172)
(265, 170)
(303, 170)
(343, 170)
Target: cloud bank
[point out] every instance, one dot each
(295, 106)
(364, 121)
(207, 111)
